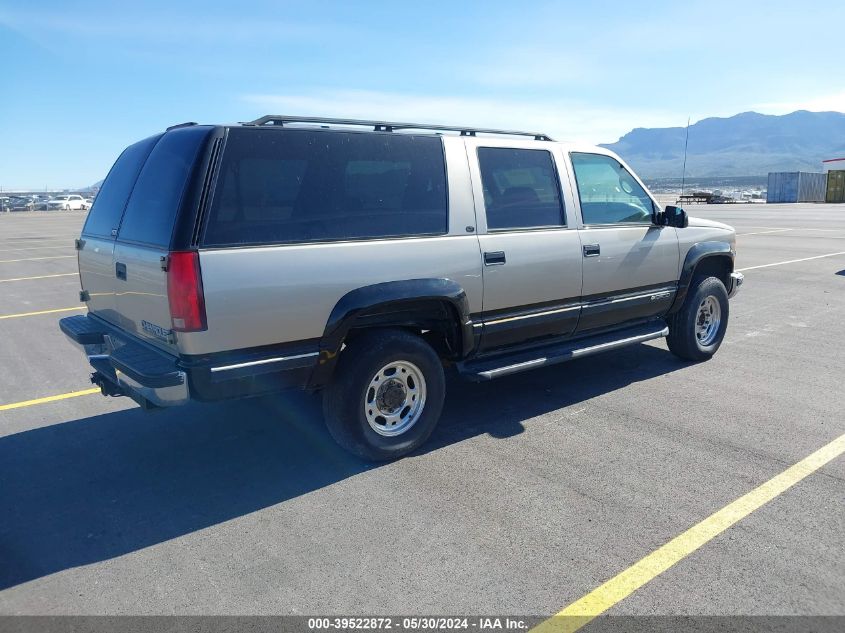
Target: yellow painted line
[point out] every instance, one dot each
(61, 396)
(34, 259)
(627, 582)
(791, 261)
(40, 277)
(29, 314)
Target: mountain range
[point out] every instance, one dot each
(747, 144)
(742, 145)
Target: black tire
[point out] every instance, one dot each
(344, 398)
(682, 340)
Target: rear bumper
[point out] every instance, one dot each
(736, 280)
(127, 366)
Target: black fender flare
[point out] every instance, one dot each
(356, 302)
(695, 255)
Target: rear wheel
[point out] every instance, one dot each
(697, 329)
(386, 395)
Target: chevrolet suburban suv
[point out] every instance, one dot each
(361, 258)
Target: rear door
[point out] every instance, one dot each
(531, 252)
(96, 248)
(145, 234)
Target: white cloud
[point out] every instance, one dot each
(560, 119)
(825, 103)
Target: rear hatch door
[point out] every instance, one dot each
(145, 238)
(96, 248)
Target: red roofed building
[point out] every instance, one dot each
(833, 164)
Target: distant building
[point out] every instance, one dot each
(796, 186)
(835, 170)
(833, 164)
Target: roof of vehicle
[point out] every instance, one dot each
(327, 124)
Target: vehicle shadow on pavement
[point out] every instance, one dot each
(88, 490)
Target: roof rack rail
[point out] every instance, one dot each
(388, 126)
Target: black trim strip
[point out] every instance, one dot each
(559, 319)
(541, 308)
(253, 356)
(211, 171)
(605, 310)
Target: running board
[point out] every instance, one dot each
(488, 369)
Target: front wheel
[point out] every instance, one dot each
(696, 331)
(386, 395)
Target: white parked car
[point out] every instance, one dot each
(68, 203)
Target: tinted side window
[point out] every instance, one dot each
(520, 188)
(283, 186)
(155, 200)
(609, 194)
(107, 209)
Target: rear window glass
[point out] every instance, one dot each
(105, 214)
(284, 186)
(155, 200)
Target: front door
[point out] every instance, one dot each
(630, 265)
(531, 255)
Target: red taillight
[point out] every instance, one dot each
(184, 292)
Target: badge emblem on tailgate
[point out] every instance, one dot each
(157, 331)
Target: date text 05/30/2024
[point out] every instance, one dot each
(480, 623)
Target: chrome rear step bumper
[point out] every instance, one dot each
(127, 367)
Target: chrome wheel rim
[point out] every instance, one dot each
(395, 398)
(707, 320)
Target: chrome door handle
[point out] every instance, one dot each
(494, 258)
(592, 250)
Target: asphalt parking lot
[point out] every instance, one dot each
(534, 490)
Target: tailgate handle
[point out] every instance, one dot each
(120, 270)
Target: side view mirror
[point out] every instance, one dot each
(672, 216)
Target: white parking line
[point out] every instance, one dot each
(39, 277)
(21, 238)
(765, 232)
(33, 259)
(34, 248)
(790, 261)
(791, 228)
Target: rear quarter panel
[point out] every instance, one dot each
(261, 296)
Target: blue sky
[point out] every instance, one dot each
(81, 80)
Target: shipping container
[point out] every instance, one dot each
(835, 186)
(796, 186)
